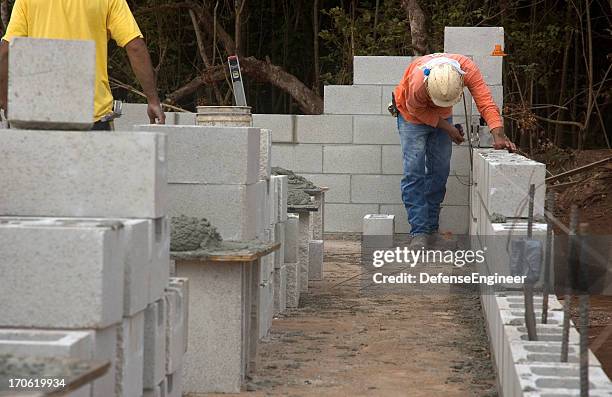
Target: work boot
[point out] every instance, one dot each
(418, 242)
(441, 241)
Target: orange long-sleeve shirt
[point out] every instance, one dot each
(414, 103)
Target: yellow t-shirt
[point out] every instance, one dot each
(96, 20)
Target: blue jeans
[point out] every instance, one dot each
(426, 156)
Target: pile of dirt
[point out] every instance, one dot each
(190, 234)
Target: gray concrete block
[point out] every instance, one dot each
(472, 40)
(304, 237)
(105, 349)
(133, 114)
(339, 186)
(497, 92)
(378, 225)
(351, 159)
(231, 208)
(302, 158)
(263, 208)
(281, 125)
(218, 326)
(175, 328)
(324, 129)
(174, 384)
(291, 238)
(138, 264)
(130, 356)
(266, 308)
(379, 189)
(375, 130)
(352, 99)
(51, 83)
(387, 92)
(281, 190)
(280, 289)
(60, 174)
(559, 379)
(379, 70)
(315, 260)
(184, 118)
(491, 68)
(279, 237)
(47, 343)
(318, 217)
(154, 369)
(85, 290)
(265, 155)
(182, 284)
(293, 284)
(346, 217)
(453, 218)
(194, 152)
(160, 262)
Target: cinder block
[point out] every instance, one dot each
(174, 384)
(280, 190)
(266, 308)
(293, 284)
(315, 260)
(352, 159)
(346, 217)
(375, 130)
(175, 328)
(47, 343)
(280, 289)
(352, 99)
(160, 263)
(453, 218)
(51, 83)
(195, 151)
(387, 92)
(279, 234)
(339, 186)
(304, 237)
(378, 225)
(85, 289)
(380, 189)
(132, 114)
(265, 155)
(263, 207)
(184, 118)
(561, 379)
(291, 238)
(281, 125)
(472, 40)
(231, 208)
(130, 356)
(379, 70)
(105, 349)
(154, 369)
(491, 68)
(317, 218)
(139, 264)
(324, 129)
(302, 158)
(182, 284)
(60, 174)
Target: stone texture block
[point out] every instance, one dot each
(302, 158)
(231, 208)
(280, 289)
(85, 290)
(61, 174)
(194, 152)
(346, 217)
(293, 284)
(352, 159)
(47, 88)
(339, 186)
(291, 238)
(130, 356)
(324, 129)
(472, 40)
(315, 260)
(375, 130)
(281, 125)
(352, 99)
(453, 218)
(379, 70)
(379, 189)
(154, 369)
(265, 154)
(175, 328)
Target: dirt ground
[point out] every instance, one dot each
(342, 341)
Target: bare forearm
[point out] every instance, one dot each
(3, 74)
(444, 125)
(143, 68)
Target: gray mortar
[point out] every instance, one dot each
(227, 248)
(297, 197)
(36, 367)
(295, 181)
(190, 234)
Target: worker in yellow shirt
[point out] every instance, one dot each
(96, 20)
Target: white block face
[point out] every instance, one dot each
(154, 369)
(356, 99)
(375, 130)
(324, 129)
(83, 174)
(220, 155)
(280, 289)
(490, 67)
(265, 154)
(130, 355)
(291, 239)
(46, 343)
(301, 158)
(315, 260)
(51, 83)
(472, 40)
(84, 289)
(380, 189)
(352, 159)
(281, 125)
(378, 225)
(379, 70)
(230, 208)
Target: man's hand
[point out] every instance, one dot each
(452, 131)
(501, 141)
(156, 113)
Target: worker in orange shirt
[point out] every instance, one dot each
(424, 98)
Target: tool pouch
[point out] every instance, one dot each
(393, 107)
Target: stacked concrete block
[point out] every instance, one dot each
(63, 168)
(379, 70)
(291, 260)
(154, 370)
(303, 258)
(324, 129)
(281, 125)
(301, 158)
(356, 99)
(130, 356)
(265, 155)
(133, 114)
(41, 93)
(558, 379)
(315, 260)
(472, 41)
(176, 322)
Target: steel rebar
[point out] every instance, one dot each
(568, 294)
(550, 209)
(530, 320)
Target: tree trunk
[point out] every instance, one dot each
(315, 28)
(4, 15)
(418, 26)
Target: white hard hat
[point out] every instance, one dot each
(444, 85)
